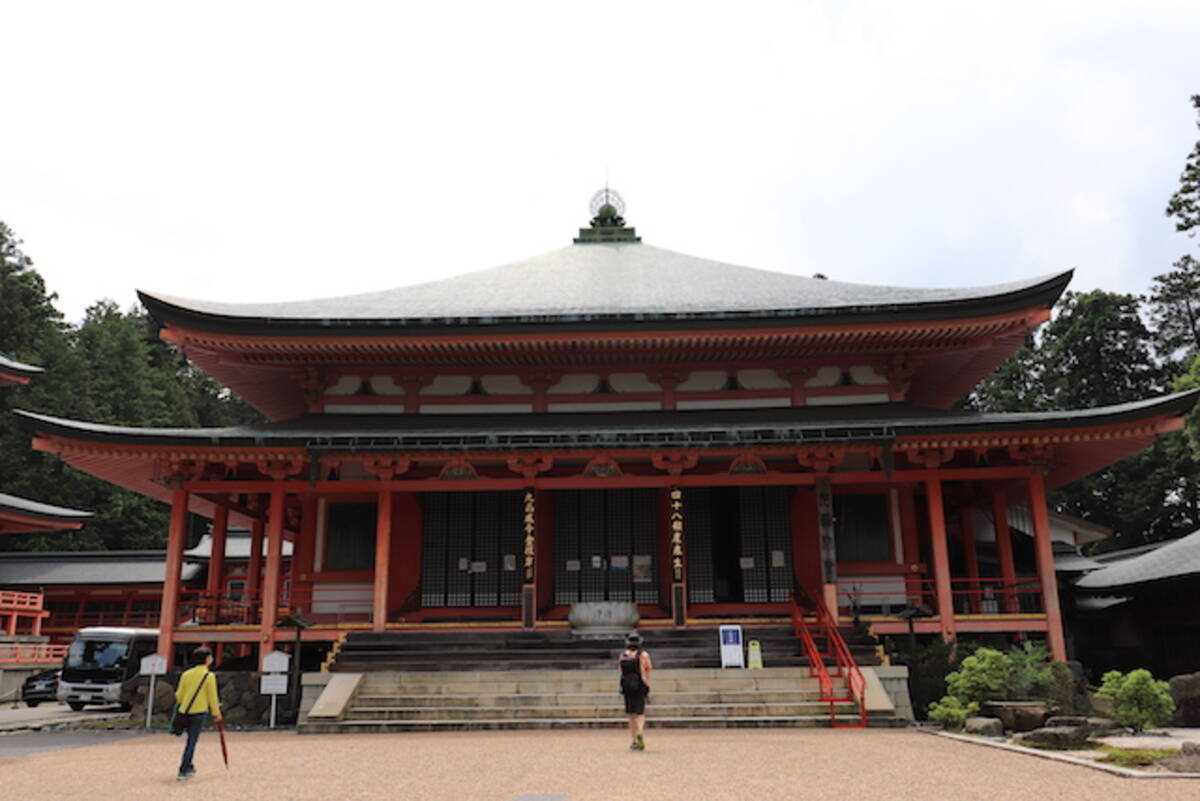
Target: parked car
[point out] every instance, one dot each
(40, 687)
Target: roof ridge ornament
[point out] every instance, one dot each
(607, 224)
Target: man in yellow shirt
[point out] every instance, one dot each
(197, 697)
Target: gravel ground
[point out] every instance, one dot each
(679, 765)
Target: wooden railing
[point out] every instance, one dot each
(26, 652)
(16, 605)
(844, 666)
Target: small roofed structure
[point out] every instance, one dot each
(1144, 610)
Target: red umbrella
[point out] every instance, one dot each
(224, 748)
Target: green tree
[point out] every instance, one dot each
(112, 368)
(1138, 700)
(1184, 205)
(1174, 306)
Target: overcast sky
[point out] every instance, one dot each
(252, 151)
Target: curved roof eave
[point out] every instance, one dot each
(885, 421)
(15, 367)
(24, 506)
(607, 286)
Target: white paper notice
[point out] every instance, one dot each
(777, 559)
(746, 563)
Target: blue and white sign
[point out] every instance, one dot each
(731, 646)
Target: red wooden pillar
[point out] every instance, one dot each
(912, 547)
(176, 533)
(383, 559)
(303, 550)
(1004, 551)
(254, 563)
(941, 558)
(970, 555)
(216, 560)
(271, 579)
(1045, 563)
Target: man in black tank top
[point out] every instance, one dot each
(635, 667)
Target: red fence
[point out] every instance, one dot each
(321, 605)
(23, 653)
(17, 605)
(979, 596)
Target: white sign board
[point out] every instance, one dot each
(153, 665)
(731, 646)
(276, 662)
(273, 684)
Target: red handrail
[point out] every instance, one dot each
(23, 652)
(843, 660)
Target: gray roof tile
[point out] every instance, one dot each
(599, 281)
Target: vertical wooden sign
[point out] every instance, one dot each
(530, 528)
(676, 533)
(825, 523)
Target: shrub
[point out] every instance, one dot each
(1031, 673)
(951, 712)
(983, 676)
(1138, 700)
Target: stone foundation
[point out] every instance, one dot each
(241, 702)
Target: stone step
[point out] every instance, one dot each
(384, 726)
(606, 685)
(607, 711)
(578, 699)
(597, 674)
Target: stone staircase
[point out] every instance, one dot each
(447, 700)
(552, 649)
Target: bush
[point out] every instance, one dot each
(1138, 700)
(1031, 671)
(984, 676)
(951, 712)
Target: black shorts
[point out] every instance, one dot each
(635, 703)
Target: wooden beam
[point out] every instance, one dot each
(1044, 549)
(271, 581)
(176, 534)
(941, 557)
(622, 481)
(1004, 549)
(216, 560)
(383, 558)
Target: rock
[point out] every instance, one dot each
(1182, 764)
(1018, 715)
(1099, 727)
(1062, 738)
(1190, 748)
(1095, 726)
(1185, 689)
(984, 727)
(1066, 720)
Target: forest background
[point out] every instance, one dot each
(1099, 349)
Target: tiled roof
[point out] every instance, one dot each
(1179, 557)
(599, 281)
(28, 569)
